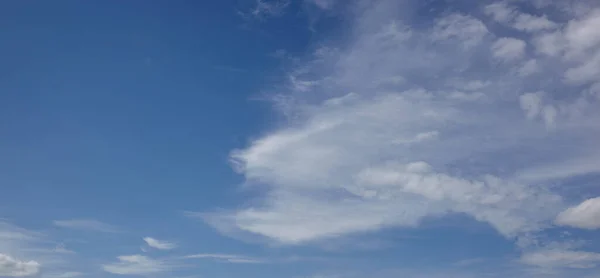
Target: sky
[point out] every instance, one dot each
(300, 138)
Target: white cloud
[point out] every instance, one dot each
(508, 15)
(551, 44)
(357, 157)
(136, 265)
(86, 224)
(585, 215)
(159, 244)
(561, 259)
(238, 259)
(556, 170)
(583, 34)
(302, 160)
(534, 107)
(469, 30)
(500, 12)
(508, 49)
(530, 23)
(531, 103)
(11, 267)
(588, 71)
(577, 46)
(20, 243)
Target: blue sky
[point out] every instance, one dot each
(300, 138)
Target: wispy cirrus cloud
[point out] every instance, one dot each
(229, 258)
(562, 259)
(137, 265)
(360, 155)
(262, 9)
(87, 225)
(160, 244)
(26, 252)
(69, 274)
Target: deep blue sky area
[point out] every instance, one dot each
(299, 139)
(120, 99)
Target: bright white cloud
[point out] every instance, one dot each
(577, 44)
(585, 215)
(360, 154)
(87, 224)
(11, 267)
(159, 244)
(136, 265)
(562, 258)
(399, 123)
(583, 34)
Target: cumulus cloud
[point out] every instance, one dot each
(500, 12)
(585, 215)
(86, 224)
(532, 23)
(136, 265)
(576, 44)
(508, 15)
(457, 133)
(11, 267)
(159, 244)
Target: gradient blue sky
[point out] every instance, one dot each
(300, 138)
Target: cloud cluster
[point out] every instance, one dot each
(11, 267)
(404, 121)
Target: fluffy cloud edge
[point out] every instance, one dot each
(159, 244)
